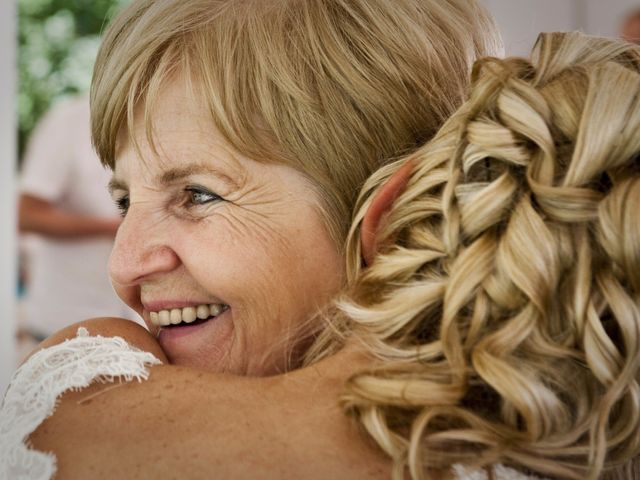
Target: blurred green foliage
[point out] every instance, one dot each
(58, 41)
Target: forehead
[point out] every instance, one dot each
(175, 131)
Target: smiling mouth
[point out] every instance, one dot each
(192, 316)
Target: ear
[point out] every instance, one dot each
(378, 211)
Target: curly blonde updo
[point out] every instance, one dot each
(505, 307)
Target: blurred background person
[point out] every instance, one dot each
(630, 29)
(64, 202)
(66, 218)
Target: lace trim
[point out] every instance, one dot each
(500, 472)
(36, 385)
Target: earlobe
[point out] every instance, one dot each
(378, 211)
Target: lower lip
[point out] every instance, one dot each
(177, 332)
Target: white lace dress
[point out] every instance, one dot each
(36, 385)
(75, 364)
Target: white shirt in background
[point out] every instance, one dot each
(67, 278)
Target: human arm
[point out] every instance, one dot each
(62, 185)
(191, 424)
(41, 216)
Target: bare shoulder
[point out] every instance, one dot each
(189, 424)
(132, 332)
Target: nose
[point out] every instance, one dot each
(142, 251)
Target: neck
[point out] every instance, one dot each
(329, 375)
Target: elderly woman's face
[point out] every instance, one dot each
(224, 257)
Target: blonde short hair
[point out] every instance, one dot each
(505, 307)
(335, 88)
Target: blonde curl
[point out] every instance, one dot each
(505, 305)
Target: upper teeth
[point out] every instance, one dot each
(186, 314)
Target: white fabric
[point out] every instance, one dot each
(68, 280)
(500, 472)
(31, 396)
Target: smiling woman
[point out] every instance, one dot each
(489, 328)
(238, 244)
(239, 133)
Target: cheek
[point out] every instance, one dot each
(273, 275)
(306, 268)
(234, 258)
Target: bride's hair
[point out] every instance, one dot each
(504, 306)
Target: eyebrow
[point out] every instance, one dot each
(115, 184)
(175, 174)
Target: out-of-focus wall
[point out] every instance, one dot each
(603, 17)
(8, 251)
(522, 20)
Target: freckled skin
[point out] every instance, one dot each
(189, 424)
(263, 249)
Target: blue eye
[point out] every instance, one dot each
(201, 196)
(123, 204)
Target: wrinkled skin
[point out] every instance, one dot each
(204, 224)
